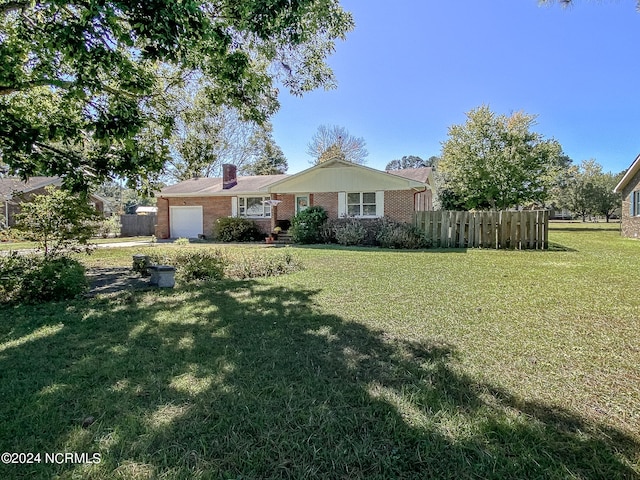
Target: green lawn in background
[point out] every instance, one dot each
(368, 364)
(96, 241)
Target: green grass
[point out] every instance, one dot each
(367, 364)
(97, 241)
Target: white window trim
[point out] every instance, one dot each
(343, 201)
(242, 206)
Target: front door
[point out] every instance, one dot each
(302, 203)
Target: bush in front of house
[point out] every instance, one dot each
(393, 234)
(192, 265)
(35, 279)
(307, 226)
(350, 232)
(349, 229)
(237, 229)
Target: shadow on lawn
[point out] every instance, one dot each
(246, 380)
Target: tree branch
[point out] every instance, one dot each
(54, 82)
(8, 89)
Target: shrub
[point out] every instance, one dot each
(110, 227)
(260, 265)
(237, 229)
(181, 241)
(214, 264)
(193, 265)
(351, 232)
(59, 221)
(33, 279)
(400, 235)
(307, 226)
(10, 235)
(369, 227)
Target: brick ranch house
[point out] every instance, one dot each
(629, 187)
(14, 192)
(191, 208)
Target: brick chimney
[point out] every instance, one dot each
(229, 176)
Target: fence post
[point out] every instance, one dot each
(444, 229)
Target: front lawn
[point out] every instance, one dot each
(368, 363)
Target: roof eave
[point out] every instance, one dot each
(225, 193)
(632, 170)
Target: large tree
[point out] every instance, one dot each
(497, 161)
(411, 161)
(331, 142)
(207, 135)
(587, 190)
(78, 79)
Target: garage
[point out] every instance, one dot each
(186, 222)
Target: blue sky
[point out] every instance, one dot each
(412, 68)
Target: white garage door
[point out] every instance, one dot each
(186, 222)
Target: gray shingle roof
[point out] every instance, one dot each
(213, 186)
(10, 186)
(417, 174)
(258, 184)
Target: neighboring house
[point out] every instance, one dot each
(191, 208)
(14, 192)
(145, 210)
(629, 187)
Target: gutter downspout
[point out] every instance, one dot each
(414, 197)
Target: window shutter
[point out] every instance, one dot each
(632, 201)
(234, 206)
(342, 204)
(380, 203)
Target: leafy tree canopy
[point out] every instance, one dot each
(331, 142)
(58, 220)
(496, 161)
(80, 81)
(411, 161)
(587, 190)
(206, 135)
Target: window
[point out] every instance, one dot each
(362, 204)
(635, 203)
(253, 207)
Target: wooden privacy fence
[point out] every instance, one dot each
(138, 225)
(503, 229)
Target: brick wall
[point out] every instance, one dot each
(327, 200)
(212, 209)
(630, 225)
(286, 209)
(398, 205)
